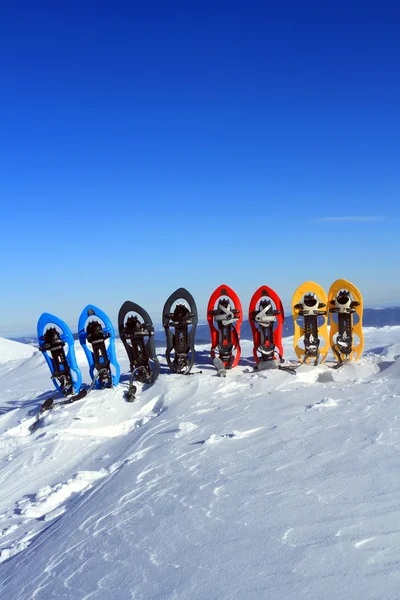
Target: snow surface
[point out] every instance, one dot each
(258, 486)
(11, 351)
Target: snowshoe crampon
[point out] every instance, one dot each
(95, 329)
(345, 314)
(56, 342)
(180, 319)
(225, 315)
(136, 331)
(266, 317)
(310, 315)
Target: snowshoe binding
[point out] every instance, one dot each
(266, 317)
(183, 321)
(224, 315)
(56, 343)
(53, 336)
(309, 306)
(136, 331)
(95, 328)
(345, 312)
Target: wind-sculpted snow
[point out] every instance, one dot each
(260, 485)
(14, 351)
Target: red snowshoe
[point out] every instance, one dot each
(224, 315)
(266, 318)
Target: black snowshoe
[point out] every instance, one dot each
(183, 321)
(136, 331)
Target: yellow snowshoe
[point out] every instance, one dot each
(309, 309)
(345, 305)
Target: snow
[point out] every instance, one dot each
(12, 351)
(259, 485)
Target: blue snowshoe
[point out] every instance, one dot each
(56, 342)
(95, 328)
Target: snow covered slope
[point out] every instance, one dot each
(11, 351)
(259, 486)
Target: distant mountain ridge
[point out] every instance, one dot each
(372, 317)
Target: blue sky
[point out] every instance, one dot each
(148, 146)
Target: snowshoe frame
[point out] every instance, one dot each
(309, 305)
(266, 317)
(180, 342)
(65, 373)
(225, 321)
(101, 358)
(344, 302)
(143, 361)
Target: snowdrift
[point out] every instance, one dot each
(10, 351)
(261, 485)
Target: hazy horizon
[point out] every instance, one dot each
(146, 147)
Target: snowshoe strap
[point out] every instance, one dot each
(343, 303)
(310, 306)
(97, 337)
(182, 342)
(344, 341)
(267, 347)
(225, 315)
(228, 340)
(135, 333)
(310, 309)
(344, 307)
(311, 339)
(266, 315)
(53, 343)
(49, 404)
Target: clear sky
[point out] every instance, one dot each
(146, 146)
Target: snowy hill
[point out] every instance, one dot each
(11, 351)
(259, 486)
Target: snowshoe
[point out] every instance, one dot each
(309, 306)
(136, 331)
(266, 318)
(95, 328)
(56, 342)
(345, 311)
(224, 316)
(183, 321)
